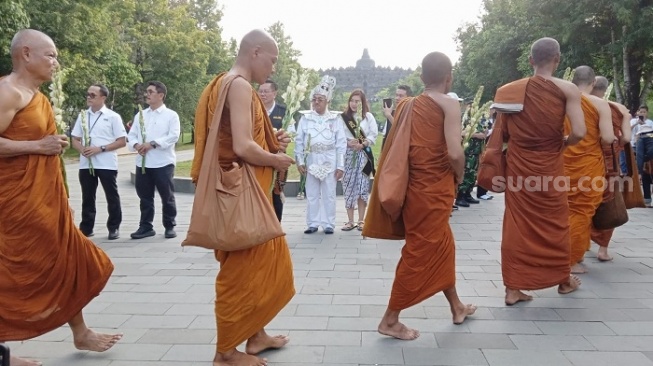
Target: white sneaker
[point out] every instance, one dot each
(300, 196)
(486, 197)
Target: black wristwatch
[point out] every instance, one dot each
(104, 148)
(153, 144)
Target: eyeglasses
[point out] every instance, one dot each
(150, 92)
(91, 95)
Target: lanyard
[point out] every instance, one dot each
(94, 123)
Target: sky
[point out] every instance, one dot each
(334, 33)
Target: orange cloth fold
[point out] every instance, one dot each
(253, 285)
(427, 264)
(48, 269)
(535, 242)
(584, 165)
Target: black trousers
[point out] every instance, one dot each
(89, 185)
(161, 180)
(278, 205)
(480, 191)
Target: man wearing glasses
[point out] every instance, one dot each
(320, 149)
(156, 152)
(97, 141)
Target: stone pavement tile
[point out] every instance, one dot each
(330, 290)
(503, 326)
(551, 342)
(186, 272)
(312, 299)
(185, 298)
(353, 324)
(333, 274)
(113, 321)
(632, 328)
(190, 352)
(361, 299)
(584, 358)
(130, 308)
(593, 314)
(501, 357)
(157, 363)
(622, 343)
(299, 354)
(177, 336)
(574, 328)
(190, 309)
(159, 321)
(377, 311)
(428, 356)
(324, 338)
(364, 355)
(474, 340)
(299, 323)
(375, 339)
(648, 354)
(328, 310)
(193, 280)
(203, 322)
(519, 313)
(638, 314)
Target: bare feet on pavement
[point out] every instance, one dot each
(97, 342)
(571, 286)
(236, 358)
(258, 344)
(603, 255)
(578, 268)
(15, 361)
(398, 330)
(515, 296)
(462, 311)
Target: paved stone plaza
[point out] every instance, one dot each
(161, 297)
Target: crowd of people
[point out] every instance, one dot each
(50, 269)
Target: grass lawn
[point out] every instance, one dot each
(183, 168)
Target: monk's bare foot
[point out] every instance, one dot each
(603, 255)
(15, 361)
(578, 268)
(515, 296)
(236, 358)
(462, 311)
(571, 286)
(258, 344)
(398, 330)
(97, 342)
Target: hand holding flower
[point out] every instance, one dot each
(91, 151)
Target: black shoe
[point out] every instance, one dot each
(328, 230)
(454, 208)
(310, 230)
(461, 202)
(114, 234)
(88, 235)
(142, 233)
(471, 199)
(170, 233)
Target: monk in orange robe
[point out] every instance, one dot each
(621, 128)
(48, 269)
(585, 167)
(535, 243)
(430, 142)
(253, 285)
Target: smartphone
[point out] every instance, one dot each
(641, 118)
(387, 102)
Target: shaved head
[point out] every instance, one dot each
(29, 38)
(600, 84)
(436, 67)
(256, 39)
(544, 51)
(583, 76)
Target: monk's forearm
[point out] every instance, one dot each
(9, 148)
(458, 164)
(253, 154)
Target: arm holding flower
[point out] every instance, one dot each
(134, 134)
(341, 149)
(299, 147)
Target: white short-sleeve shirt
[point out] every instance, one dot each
(104, 127)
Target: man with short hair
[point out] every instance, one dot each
(642, 132)
(49, 270)
(402, 92)
(156, 160)
(268, 94)
(97, 143)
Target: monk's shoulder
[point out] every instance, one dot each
(618, 107)
(446, 103)
(13, 96)
(567, 87)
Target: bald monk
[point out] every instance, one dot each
(621, 128)
(434, 152)
(253, 285)
(585, 166)
(48, 269)
(535, 242)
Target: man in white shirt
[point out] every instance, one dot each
(97, 141)
(643, 139)
(156, 160)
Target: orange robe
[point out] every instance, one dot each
(584, 163)
(48, 269)
(427, 264)
(535, 242)
(611, 157)
(253, 285)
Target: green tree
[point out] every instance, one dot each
(14, 17)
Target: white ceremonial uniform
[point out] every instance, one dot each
(322, 155)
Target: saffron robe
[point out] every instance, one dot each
(427, 264)
(584, 165)
(48, 269)
(253, 285)
(611, 157)
(535, 237)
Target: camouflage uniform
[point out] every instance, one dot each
(472, 157)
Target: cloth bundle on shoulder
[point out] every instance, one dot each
(230, 209)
